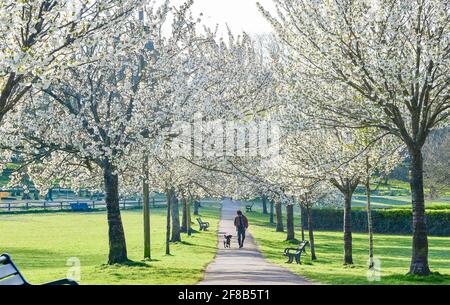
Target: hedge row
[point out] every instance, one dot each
(391, 221)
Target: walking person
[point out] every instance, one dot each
(241, 224)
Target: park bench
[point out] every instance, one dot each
(296, 253)
(77, 207)
(203, 225)
(249, 207)
(10, 274)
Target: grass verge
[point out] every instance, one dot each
(41, 244)
(393, 251)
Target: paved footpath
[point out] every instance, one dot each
(244, 266)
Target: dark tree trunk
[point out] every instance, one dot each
(169, 200)
(176, 229)
(280, 227)
(347, 188)
(196, 206)
(117, 244)
(419, 261)
(271, 212)
(264, 204)
(369, 223)
(184, 216)
(290, 222)
(311, 233)
(302, 221)
(348, 257)
(146, 212)
(188, 216)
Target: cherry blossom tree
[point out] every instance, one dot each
(392, 56)
(93, 110)
(107, 107)
(38, 39)
(381, 157)
(328, 155)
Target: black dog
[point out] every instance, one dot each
(227, 241)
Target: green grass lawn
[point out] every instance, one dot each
(397, 194)
(40, 244)
(396, 202)
(394, 251)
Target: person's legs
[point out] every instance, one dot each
(241, 238)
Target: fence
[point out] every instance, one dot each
(20, 206)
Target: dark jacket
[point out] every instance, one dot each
(240, 221)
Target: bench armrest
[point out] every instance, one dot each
(63, 282)
(286, 251)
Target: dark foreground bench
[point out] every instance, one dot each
(296, 253)
(249, 207)
(79, 207)
(10, 274)
(203, 225)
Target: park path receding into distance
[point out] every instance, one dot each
(244, 266)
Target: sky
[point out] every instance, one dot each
(240, 15)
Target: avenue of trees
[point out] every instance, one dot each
(133, 97)
(373, 64)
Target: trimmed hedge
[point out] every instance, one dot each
(390, 221)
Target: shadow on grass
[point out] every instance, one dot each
(193, 231)
(151, 260)
(294, 241)
(434, 278)
(186, 243)
(128, 263)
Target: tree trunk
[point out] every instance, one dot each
(311, 232)
(146, 212)
(419, 261)
(369, 223)
(184, 216)
(264, 204)
(302, 221)
(188, 216)
(196, 206)
(280, 227)
(348, 257)
(290, 222)
(433, 192)
(176, 229)
(169, 200)
(271, 212)
(117, 244)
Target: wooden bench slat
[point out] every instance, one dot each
(6, 270)
(12, 280)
